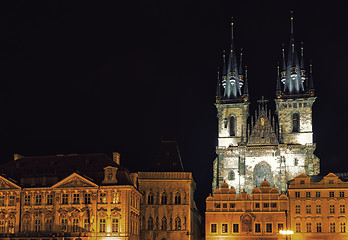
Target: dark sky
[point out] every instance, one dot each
(86, 77)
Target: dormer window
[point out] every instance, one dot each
(110, 174)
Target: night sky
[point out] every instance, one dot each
(88, 77)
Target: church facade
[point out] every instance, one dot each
(276, 147)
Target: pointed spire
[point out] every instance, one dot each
(224, 70)
(283, 58)
(310, 84)
(278, 88)
(218, 86)
(245, 89)
(302, 60)
(292, 24)
(241, 63)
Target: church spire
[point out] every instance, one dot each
(310, 84)
(246, 88)
(278, 87)
(218, 86)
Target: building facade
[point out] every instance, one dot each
(242, 216)
(318, 207)
(168, 208)
(277, 146)
(87, 196)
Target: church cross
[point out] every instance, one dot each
(263, 100)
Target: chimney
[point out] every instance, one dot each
(116, 157)
(17, 156)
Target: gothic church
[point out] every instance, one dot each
(253, 148)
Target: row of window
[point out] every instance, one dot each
(164, 199)
(318, 227)
(164, 224)
(318, 208)
(268, 228)
(7, 226)
(256, 205)
(318, 194)
(294, 105)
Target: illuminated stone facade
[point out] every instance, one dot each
(276, 146)
(68, 197)
(318, 207)
(168, 209)
(242, 216)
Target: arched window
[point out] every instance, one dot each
(150, 224)
(164, 223)
(164, 198)
(150, 198)
(231, 175)
(232, 126)
(295, 122)
(177, 224)
(177, 198)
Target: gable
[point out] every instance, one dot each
(73, 181)
(7, 184)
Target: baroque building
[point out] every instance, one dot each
(277, 146)
(86, 196)
(168, 209)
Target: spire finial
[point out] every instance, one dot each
(292, 23)
(241, 62)
(311, 85)
(232, 23)
(278, 89)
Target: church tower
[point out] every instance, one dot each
(232, 106)
(276, 147)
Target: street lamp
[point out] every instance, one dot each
(286, 233)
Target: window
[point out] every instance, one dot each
(317, 194)
(150, 198)
(102, 198)
(302, 182)
(87, 198)
(232, 126)
(64, 198)
(115, 227)
(26, 225)
(266, 205)
(76, 198)
(297, 194)
(343, 227)
(217, 205)
(295, 122)
(38, 199)
(86, 225)
(37, 225)
(257, 227)
(224, 205)
(177, 199)
(231, 175)
(224, 228)
(11, 200)
(48, 225)
(308, 209)
(298, 227)
(331, 182)
(308, 194)
(297, 209)
(331, 194)
(235, 227)
(164, 198)
(273, 205)
(232, 205)
(318, 209)
(332, 228)
(342, 208)
(295, 104)
(268, 227)
(332, 208)
(309, 227)
(164, 223)
(11, 226)
(150, 224)
(2, 226)
(257, 205)
(318, 227)
(64, 225)
(102, 225)
(213, 228)
(49, 199)
(75, 226)
(26, 200)
(280, 226)
(341, 194)
(177, 224)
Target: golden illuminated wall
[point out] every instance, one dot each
(168, 209)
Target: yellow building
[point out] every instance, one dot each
(87, 196)
(318, 207)
(244, 216)
(168, 209)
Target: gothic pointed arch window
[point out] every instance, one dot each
(150, 198)
(177, 223)
(177, 199)
(164, 198)
(295, 122)
(150, 223)
(164, 223)
(232, 126)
